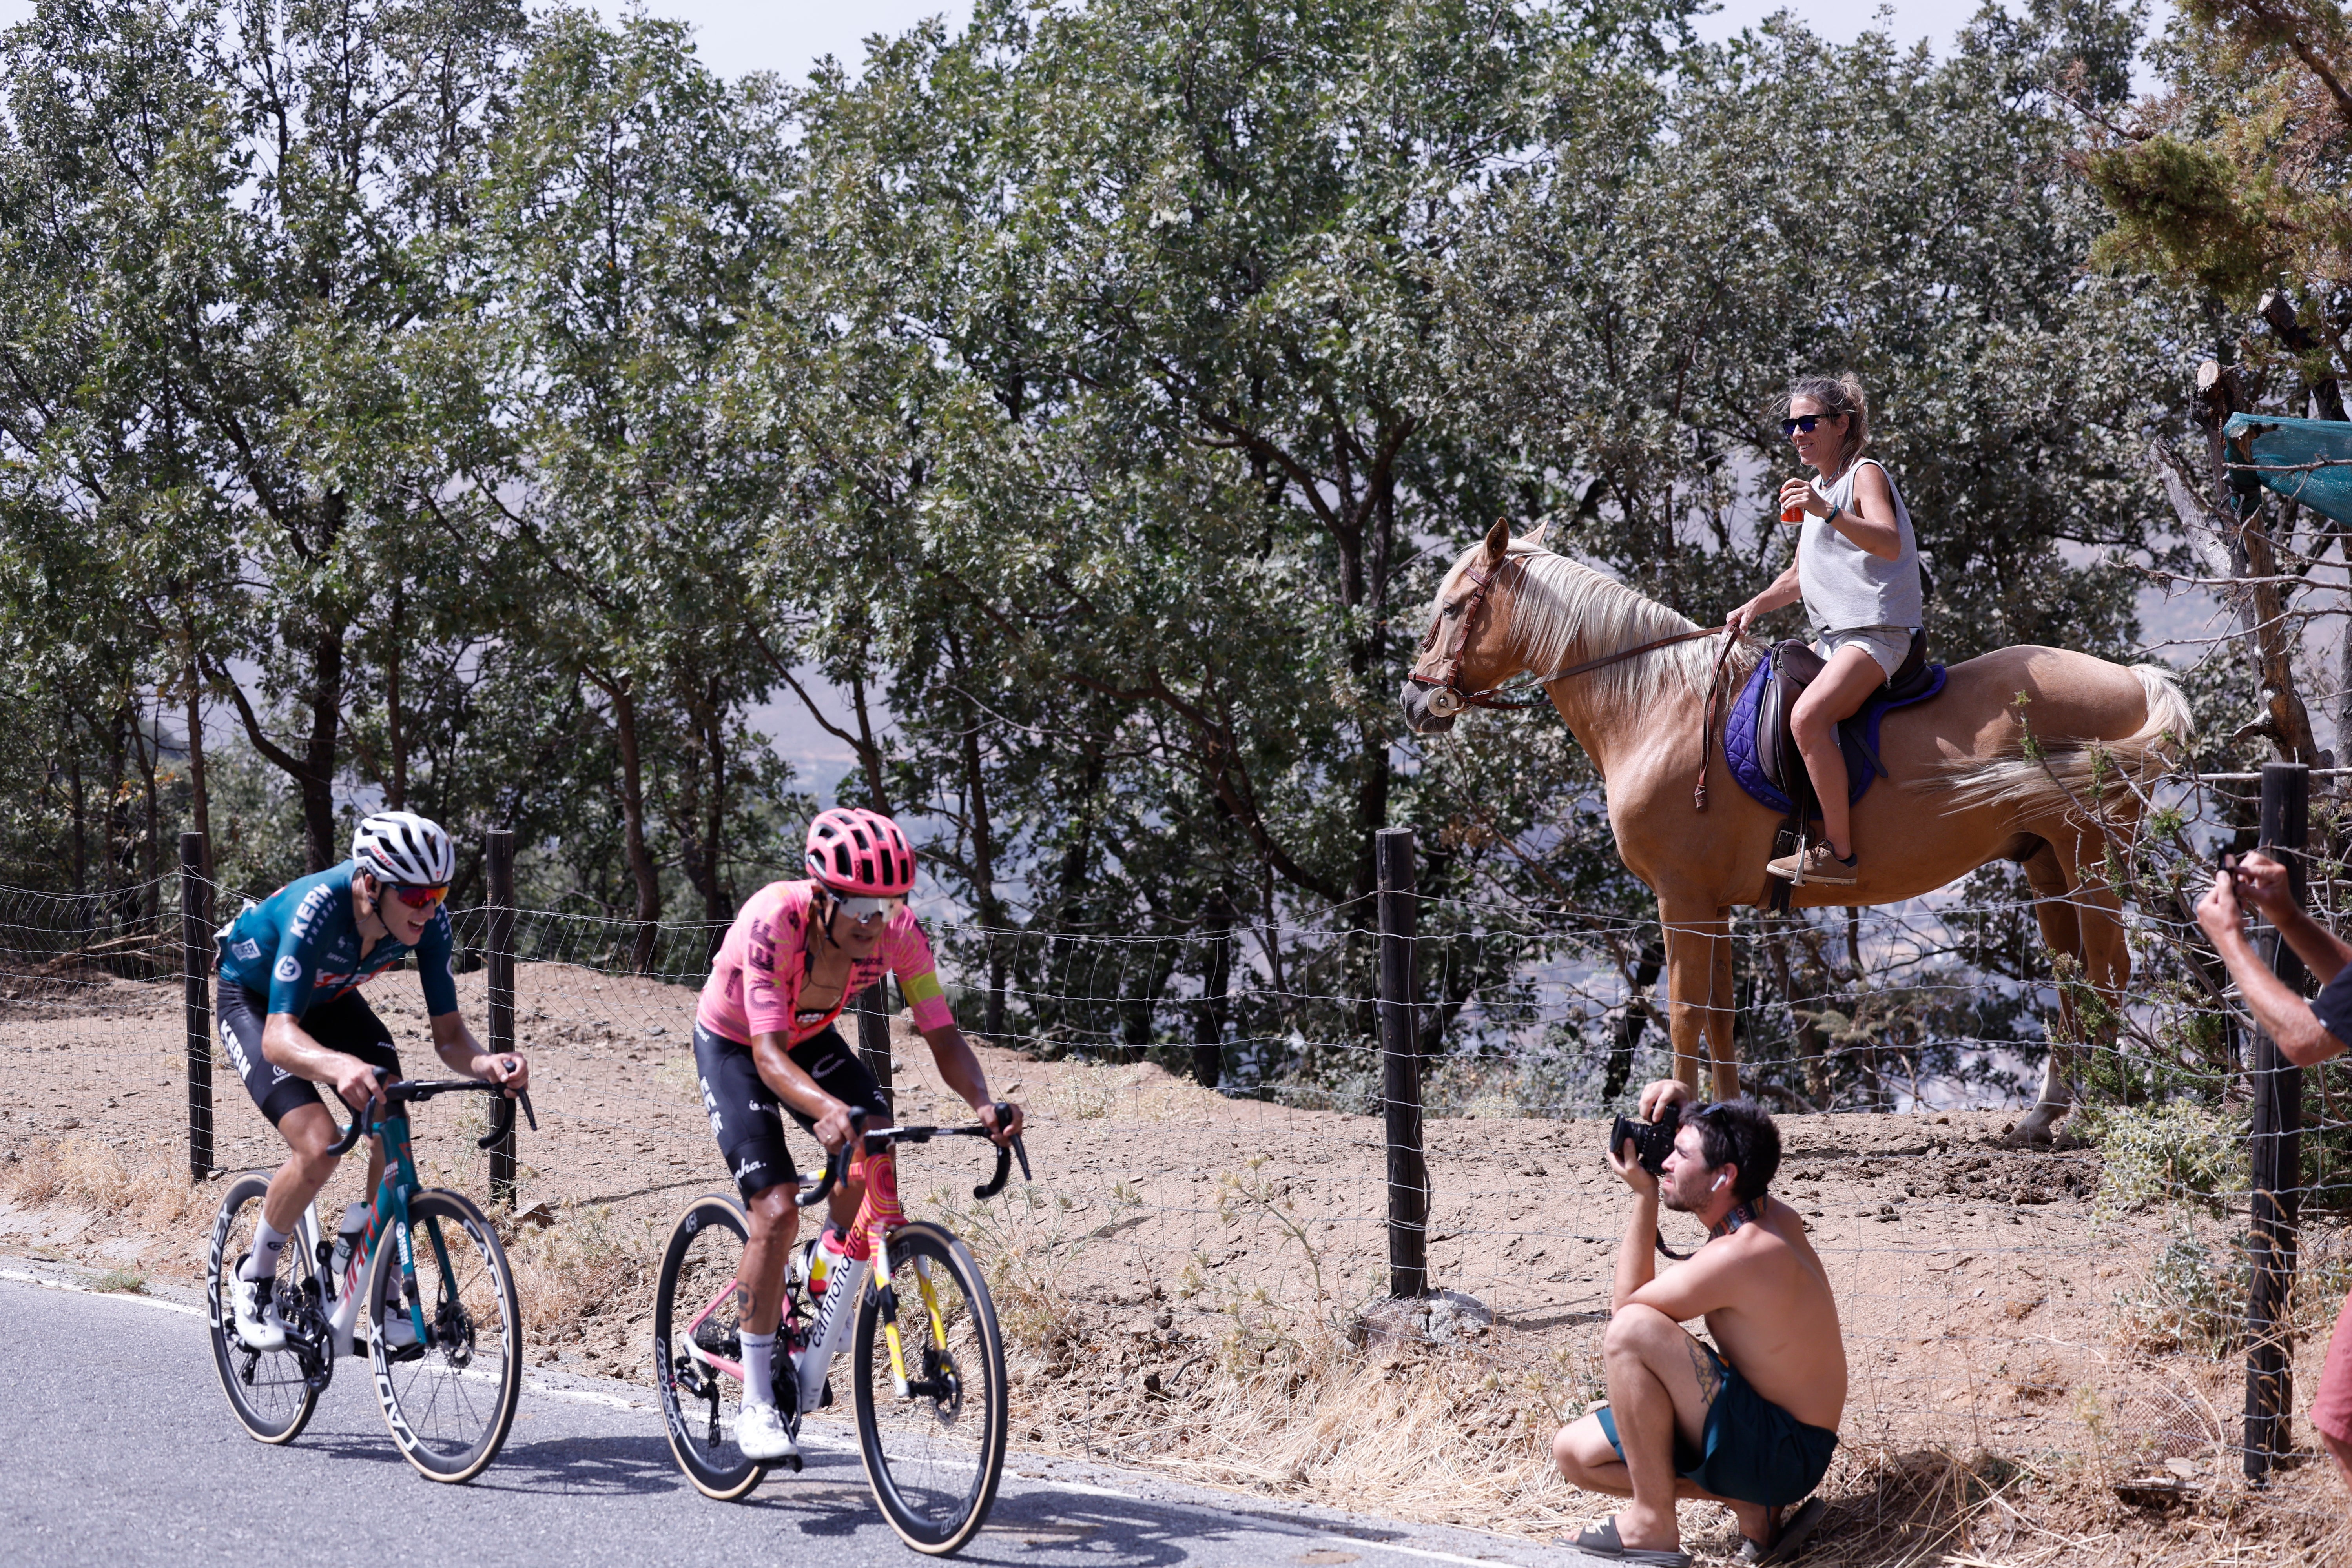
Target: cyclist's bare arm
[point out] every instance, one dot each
(287, 1044)
(463, 1053)
(963, 1073)
(795, 1088)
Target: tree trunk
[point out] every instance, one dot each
(317, 775)
(983, 871)
(81, 810)
(869, 753)
(395, 794)
(1216, 993)
(633, 819)
(200, 808)
(150, 743)
(2250, 553)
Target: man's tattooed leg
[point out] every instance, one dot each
(1703, 1367)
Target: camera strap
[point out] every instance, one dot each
(1743, 1214)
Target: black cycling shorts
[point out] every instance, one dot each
(346, 1024)
(744, 1111)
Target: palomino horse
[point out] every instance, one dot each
(1961, 789)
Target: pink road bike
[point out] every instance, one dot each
(926, 1361)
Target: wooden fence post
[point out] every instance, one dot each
(498, 861)
(2277, 1156)
(1408, 1172)
(196, 996)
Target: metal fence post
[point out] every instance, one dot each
(2277, 1156)
(874, 1040)
(498, 861)
(1400, 1068)
(196, 972)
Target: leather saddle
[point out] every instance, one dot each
(1794, 667)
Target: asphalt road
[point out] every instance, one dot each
(118, 1447)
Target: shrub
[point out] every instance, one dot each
(2166, 1154)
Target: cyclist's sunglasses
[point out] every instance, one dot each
(422, 897)
(1808, 423)
(865, 909)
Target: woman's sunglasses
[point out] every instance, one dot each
(1808, 423)
(865, 909)
(422, 897)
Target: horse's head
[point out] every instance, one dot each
(1469, 649)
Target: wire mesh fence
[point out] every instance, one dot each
(1208, 1130)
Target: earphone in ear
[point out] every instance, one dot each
(1718, 1184)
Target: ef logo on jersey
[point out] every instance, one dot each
(289, 969)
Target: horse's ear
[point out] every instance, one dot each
(1498, 541)
(1534, 536)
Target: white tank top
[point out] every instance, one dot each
(1846, 588)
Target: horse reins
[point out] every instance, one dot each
(1446, 697)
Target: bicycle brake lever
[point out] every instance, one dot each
(529, 1115)
(1022, 1150)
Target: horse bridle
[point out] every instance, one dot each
(1446, 697)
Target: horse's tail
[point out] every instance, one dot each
(2076, 776)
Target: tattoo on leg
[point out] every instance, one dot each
(1703, 1367)
(742, 1301)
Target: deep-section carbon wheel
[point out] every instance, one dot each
(699, 1405)
(935, 1454)
(272, 1393)
(450, 1400)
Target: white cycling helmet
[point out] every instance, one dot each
(405, 850)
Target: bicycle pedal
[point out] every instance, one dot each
(793, 1462)
(825, 1394)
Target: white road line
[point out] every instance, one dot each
(18, 1274)
(1057, 1484)
(1410, 1551)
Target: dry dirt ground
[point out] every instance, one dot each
(1184, 1286)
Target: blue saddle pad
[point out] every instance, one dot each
(1857, 738)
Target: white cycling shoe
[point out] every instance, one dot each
(254, 1303)
(399, 1333)
(760, 1434)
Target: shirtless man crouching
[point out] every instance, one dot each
(1751, 1427)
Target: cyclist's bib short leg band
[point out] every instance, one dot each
(346, 1024)
(746, 1118)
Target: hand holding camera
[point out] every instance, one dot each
(1652, 1136)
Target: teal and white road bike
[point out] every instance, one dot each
(450, 1383)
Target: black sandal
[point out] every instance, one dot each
(1602, 1541)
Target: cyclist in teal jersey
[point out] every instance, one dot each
(291, 1016)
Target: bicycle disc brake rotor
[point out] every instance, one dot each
(453, 1334)
(940, 1382)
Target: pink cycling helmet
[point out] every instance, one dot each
(860, 853)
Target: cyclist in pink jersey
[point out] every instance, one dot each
(764, 1041)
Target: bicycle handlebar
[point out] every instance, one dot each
(836, 1165)
(409, 1090)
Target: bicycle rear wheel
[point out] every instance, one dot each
(699, 1404)
(271, 1392)
(449, 1401)
(935, 1454)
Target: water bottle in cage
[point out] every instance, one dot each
(348, 1236)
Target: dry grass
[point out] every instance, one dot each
(144, 1190)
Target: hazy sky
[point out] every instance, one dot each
(786, 36)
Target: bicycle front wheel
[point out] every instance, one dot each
(696, 1298)
(271, 1392)
(449, 1400)
(935, 1453)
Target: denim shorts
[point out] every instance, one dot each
(1890, 645)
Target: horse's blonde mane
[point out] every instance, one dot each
(1566, 611)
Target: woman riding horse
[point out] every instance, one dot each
(1857, 570)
